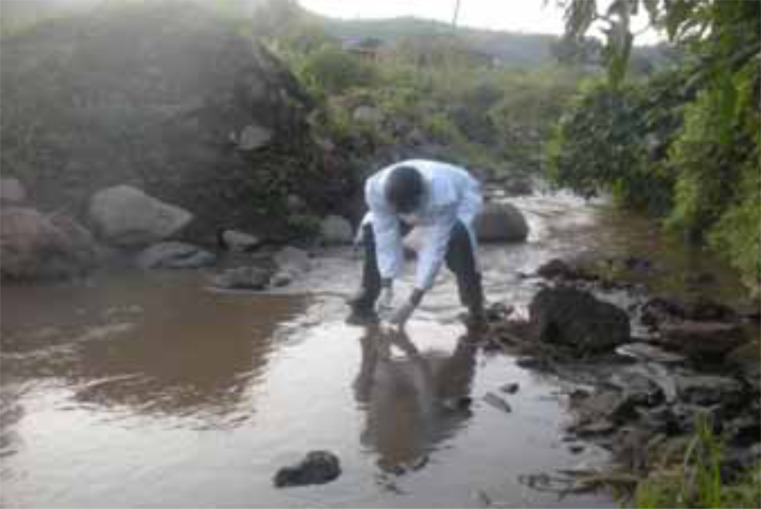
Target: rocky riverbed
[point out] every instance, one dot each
(162, 388)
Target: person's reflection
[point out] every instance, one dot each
(412, 403)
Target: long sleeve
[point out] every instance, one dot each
(388, 238)
(435, 246)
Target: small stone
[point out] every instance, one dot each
(510, 388)
(497, 402)
(239, 242)
(253, 137)
(576, 448)
(650, 353)
(244, 278)
(457, 404)
(319, 467)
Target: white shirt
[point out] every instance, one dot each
(450, 193)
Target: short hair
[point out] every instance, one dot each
(404, 188)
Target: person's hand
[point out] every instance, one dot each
(401, 314)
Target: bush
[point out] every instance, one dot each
(332, 70)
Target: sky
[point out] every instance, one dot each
(532, 16)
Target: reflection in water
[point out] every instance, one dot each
(186, 352)
(403, 398)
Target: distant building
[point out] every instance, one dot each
(369, 49)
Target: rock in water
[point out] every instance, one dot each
(709, 341)
(243, 278)
(174, 255)
(239, 242)
(501, 222)
(319, 467)
(578, 321)
(37, 246)
(127, 217)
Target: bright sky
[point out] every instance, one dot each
(535, 16)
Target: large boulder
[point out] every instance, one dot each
(501, 222)
(171, 98)
(174, 255)
(578, 321)
(12, 192)
(125, 216)
(38, 246)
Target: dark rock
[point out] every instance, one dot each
(637, 388)
(497, 402)
(174, 255)
(243, 278)
(706, 310)
(747, 358)
(576, 448)
(456, 404)
(707, 341)
(607, 405)
(707, 389)
(319, 467)
(557, 269)
(529, 362)
(510, 388)
(577, 320)
(658, 310)
(501, 222)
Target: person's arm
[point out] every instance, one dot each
(434, 250)
(388, 238)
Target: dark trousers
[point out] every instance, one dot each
(460, 259)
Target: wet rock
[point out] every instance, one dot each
(501, 222)
(319, 467)
(559, 269)
(12, 192)
(747, 359)
(510, 388)
(127, 217)
(707, 389)
(658, 310)
(708, 341)
(239, 242)
(706, 310)
(253, 137)
(576, 448)
(529, 362)
(292, 260)
(577, 320)
(243, 278)
(497, 402)
(39, 246)
(649, 353)
(174, 255)
(281, 279)
(637, 388)
(336, 230)
(605, 406)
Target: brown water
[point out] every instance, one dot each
(154, 390)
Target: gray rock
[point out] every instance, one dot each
(707, 389)
(253, 137)
(243, 278)
(38, 246)
(747, 358)
(238, 241)
(292, 260)
(319, 467)
(497, 402)
(636, 387)
(281, 279)
(174, 255)
(125, 216)
(649, 353)
(577, 320)
(12, 192)
(702, 340)
(501, 222)
(295, 203)
(336, 230)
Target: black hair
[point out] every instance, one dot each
(404, 188)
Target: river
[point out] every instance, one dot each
(152, 389)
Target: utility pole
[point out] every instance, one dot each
(456, 13)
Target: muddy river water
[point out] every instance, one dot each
(152, 389)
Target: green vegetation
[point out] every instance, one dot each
(684, 145)
(695, 480)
